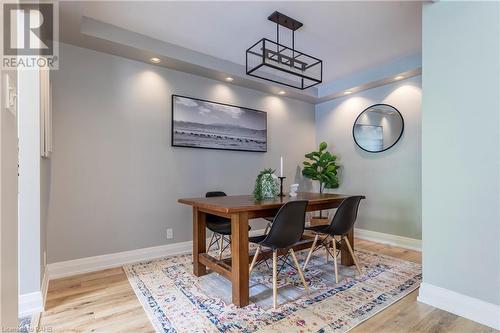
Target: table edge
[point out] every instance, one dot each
(190, 202)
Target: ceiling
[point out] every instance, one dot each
(347, 36)
(362, 44)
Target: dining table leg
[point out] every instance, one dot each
(239, 259)
(346, 258)
(199, 241)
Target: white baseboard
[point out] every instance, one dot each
(393, 240)
(30, 303)
(464, 306)
(91, 264)
(34, 302)
(44, 287)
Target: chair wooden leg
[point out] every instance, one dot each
(267, 228)
(275, 279)
(334, 243)
(326, 250)
(211, 242)
(221, 246)
(311, 250)
(352, 254)
(299, 269)
(254, 260)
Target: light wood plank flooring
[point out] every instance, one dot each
(103, 301)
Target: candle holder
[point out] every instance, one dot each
(281, 186)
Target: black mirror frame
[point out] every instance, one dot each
(397, 140)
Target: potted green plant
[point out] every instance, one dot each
(321, 166)
(266, 185)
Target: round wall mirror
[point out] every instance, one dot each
(378, 128)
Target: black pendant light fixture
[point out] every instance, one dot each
(281, 64)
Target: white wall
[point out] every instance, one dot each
(115, 179)
(29, 181)
(461, 149)
(8, 211)
(390, 180)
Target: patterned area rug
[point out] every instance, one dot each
(177, 301)
(25, 324)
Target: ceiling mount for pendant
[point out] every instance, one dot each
(278, 63)
(285, 21)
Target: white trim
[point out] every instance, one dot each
(388, 239)
(34, 302)
(91, 264)
(465, 306)
(44, 287)
(30, 303)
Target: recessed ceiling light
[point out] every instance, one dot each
(155, 60)
(282, 92)
(399, 77)
(347, 92)
(229, 79)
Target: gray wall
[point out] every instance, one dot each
(45, 177)
(115, 178)
(461, 148)
(391, 179)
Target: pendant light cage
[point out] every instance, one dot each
(281, 64)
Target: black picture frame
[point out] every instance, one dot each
(389, 147)
(172, 129)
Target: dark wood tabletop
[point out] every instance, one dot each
(245, 203)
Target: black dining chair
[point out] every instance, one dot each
(342, 222)
(220, 227)
(285, 231)
(268, 224)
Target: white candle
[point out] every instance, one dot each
(281, 166)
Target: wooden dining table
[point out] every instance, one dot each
(240, 209)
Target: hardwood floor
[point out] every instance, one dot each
(103, 301)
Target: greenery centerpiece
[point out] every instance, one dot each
(321, 166)
(266, 185)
